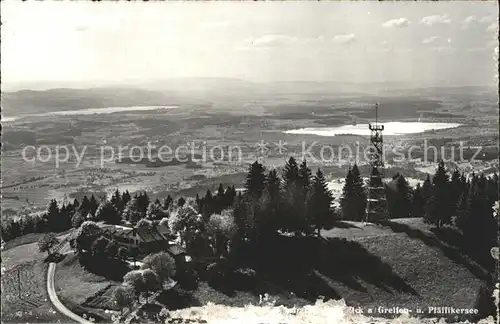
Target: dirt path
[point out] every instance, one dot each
(55, 300)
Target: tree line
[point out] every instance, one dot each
(59, 218)
(445, 199)
(442, 199)
(295, 201)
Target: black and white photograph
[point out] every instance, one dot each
(254, 162)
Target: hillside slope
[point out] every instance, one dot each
(436, 279)
(374, 267)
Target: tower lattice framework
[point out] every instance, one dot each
(376, 206)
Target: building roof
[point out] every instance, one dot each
(149, 234)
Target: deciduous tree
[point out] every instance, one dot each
(135, 280)
(123, 297)
(151, 282)
(85, 236)
(47, 242)
(107, 212)
(161, 263)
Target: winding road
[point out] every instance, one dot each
(55, 300)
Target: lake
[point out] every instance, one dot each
(391, 128)
(91, 111)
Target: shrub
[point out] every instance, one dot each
(47, 242)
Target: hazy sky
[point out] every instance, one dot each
(425, 43)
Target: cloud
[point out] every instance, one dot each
(398, 22)
(429, 40)
(486, 20)
(478, 21)
(493, 27)
(489, 47)
(273, 41)
(435, 19)
(278, 40)
(468, 21)
(344, 39)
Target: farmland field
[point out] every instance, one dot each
(32, 184)
(31, 303)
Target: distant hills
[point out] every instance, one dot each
(192, 90)
(40, 101)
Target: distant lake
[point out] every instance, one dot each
(92, 111)
(390, 128)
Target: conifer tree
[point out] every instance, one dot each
(70, 209)
(207, 204)
(291, 172)
(52, 216)
(427, 191)
(143, 203)
(219, 199)
(93, 205)
(438, 211)
(360, 192)
(271, 202)
(256, 179)
(64, 221)
(305, 176)
(62, 215)
(294, 191)
(353, 201)
(76, 204)
(229, 196)
(418, 202)
(304, 188)
(167, 202)
(455, 191)
(199, 203)
(478, 225)
(400, 200)
(116, 200)
(320, 202)
(347, 201)
(125, 199)
(240, 214)
(220, 191)
(492, 188)
(85, 206)
(463, 211)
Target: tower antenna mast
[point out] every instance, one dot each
(376, 205)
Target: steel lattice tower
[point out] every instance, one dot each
(376, 206)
